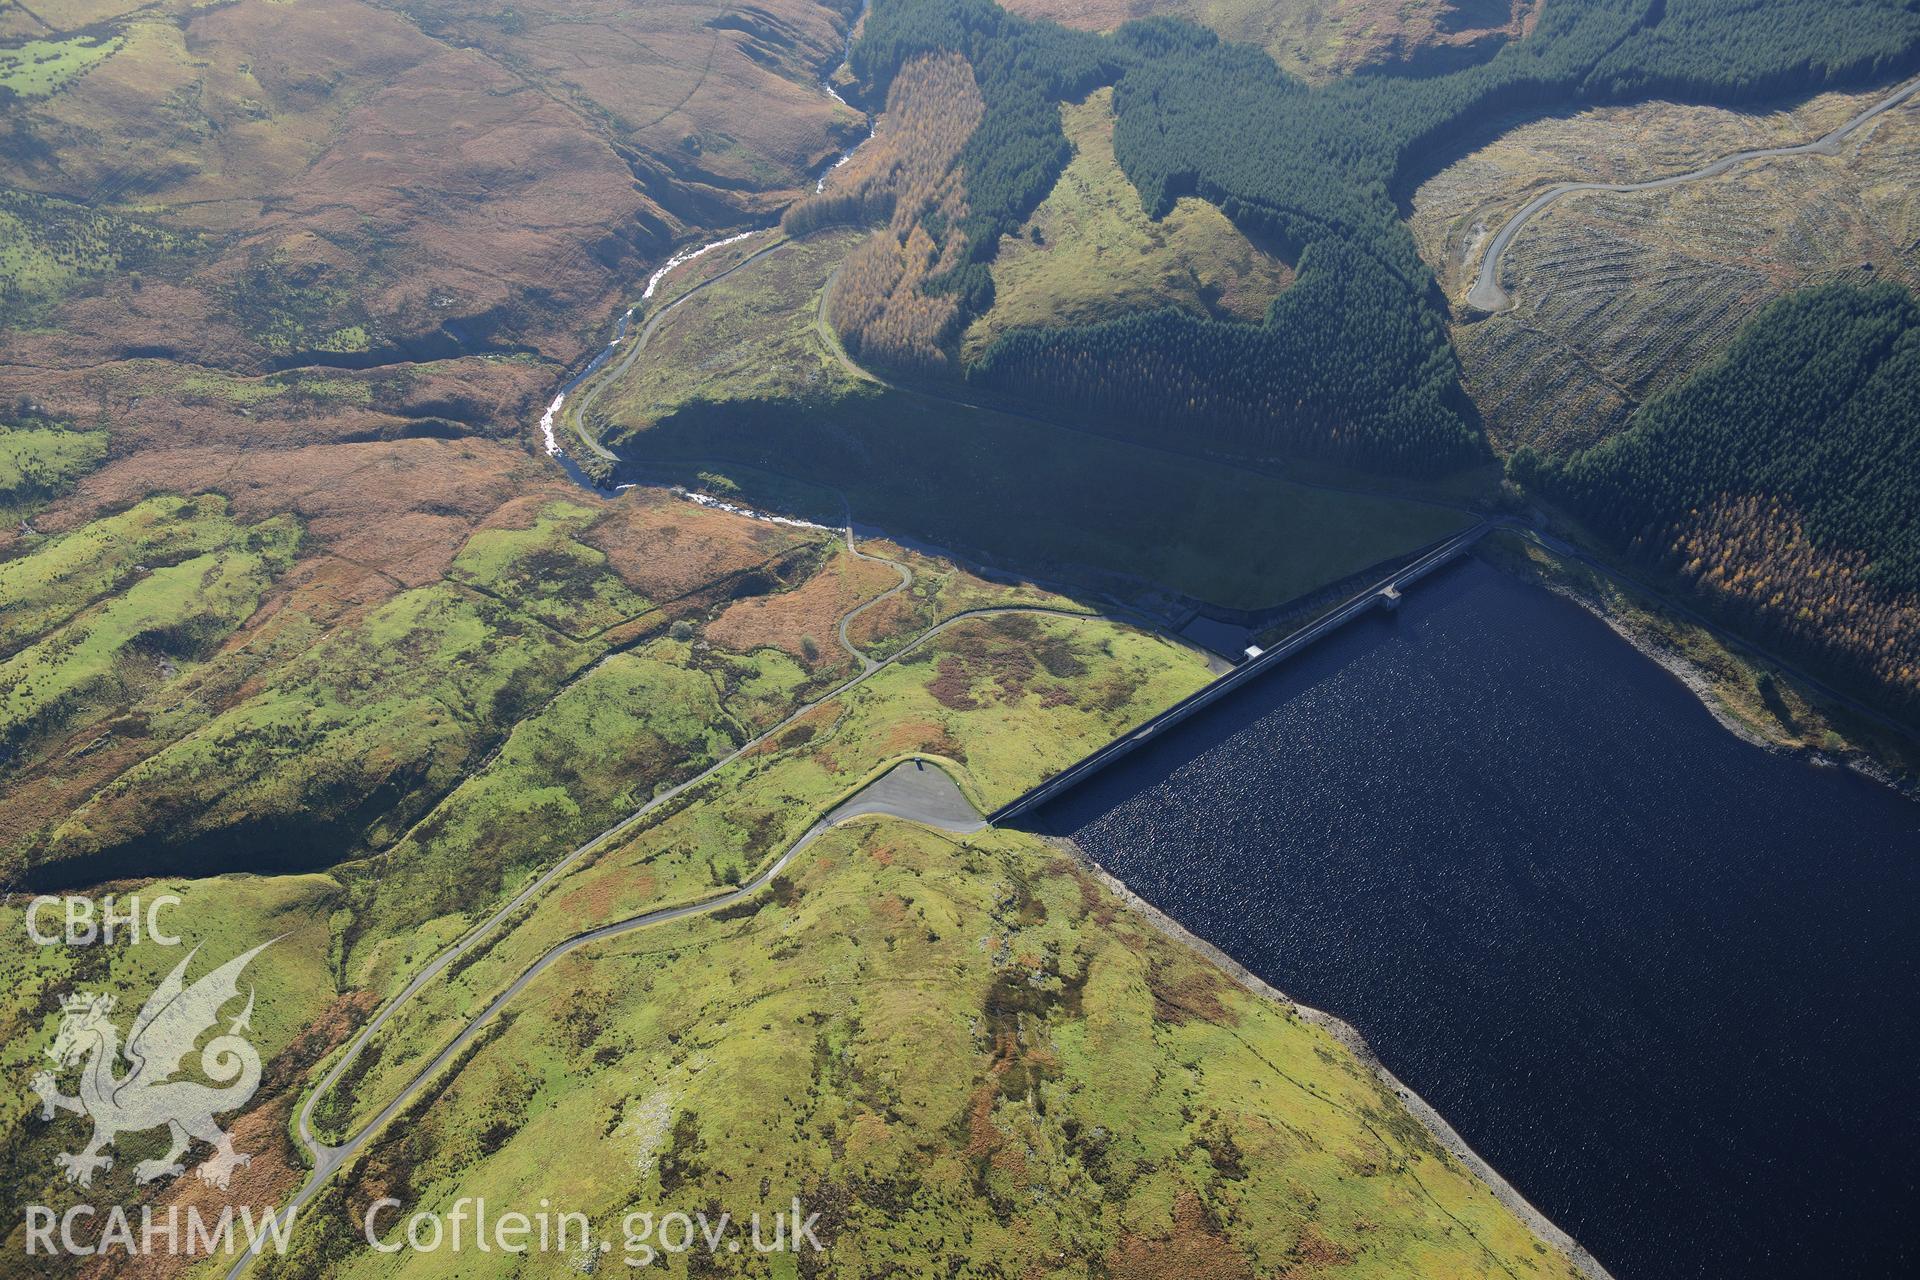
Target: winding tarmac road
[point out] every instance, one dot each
(574, 414)
(917, 800)
(1487, 295)
(911, 790)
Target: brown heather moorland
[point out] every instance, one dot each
(1321, 39)
(325, 262)
(355, 184)
(328, 258)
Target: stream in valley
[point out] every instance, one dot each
(555, 417)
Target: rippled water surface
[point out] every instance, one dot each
(1664, 981)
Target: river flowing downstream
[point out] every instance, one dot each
(554, 418)
(1661, 979)
(846, 57)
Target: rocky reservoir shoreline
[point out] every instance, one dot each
(1423, 1111)
(1624, 954)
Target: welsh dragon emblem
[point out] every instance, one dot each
(147, 1095)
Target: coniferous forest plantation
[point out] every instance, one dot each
(1782, 481)
(862, 639)
(1353, 363)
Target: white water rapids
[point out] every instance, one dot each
(704, 500)
(551, 418)
(681, 259)
(820, 184)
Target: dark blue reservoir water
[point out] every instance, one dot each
(1664, 981)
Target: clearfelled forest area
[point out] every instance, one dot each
(1353, 363)
(1783, 483)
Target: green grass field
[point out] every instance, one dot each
(400, 703)
(199, 385)
(632, 725)
(1090, 252)
(61, 576)
(87, 625)
(317, 742)
(1007, 702)
(175, 613)
(50, 248)
(41, 67)
(548, 574)
(37, 462)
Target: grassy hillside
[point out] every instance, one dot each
(751, 335)
(1089, 250)
(921, 1033)
(142, 730)
(631, 724)
(1082, 1090)
(281, 290)
(979, 698)
(40, 459)
(39, 68)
